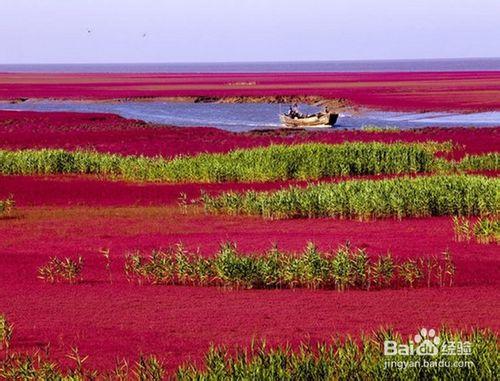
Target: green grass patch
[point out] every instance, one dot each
(380, 128)
(6, 329)
(7, 206)
(465, 195)
(309, 161)
(276, 162)
(345, 268)
(62, 270)
(350, 359)
(338, 359)
(483, 230)
(486, 162)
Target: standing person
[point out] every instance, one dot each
(294, 111)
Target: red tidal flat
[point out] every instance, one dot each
(110, 133)
(178, 323)
(466, 91)
(88, 190)
(78, 215)
(56, 190)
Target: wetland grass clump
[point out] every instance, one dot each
(341, 358)
(379, 128)
(38, 366)
(487, 230)
(309, 161)
(345, 268)
(275, 162)
(462, 195)
(7, 206)
(483, 230)
(486, 162)
(6, 329)
(58, 270)
(352, 359)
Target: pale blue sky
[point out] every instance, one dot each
(56, 31)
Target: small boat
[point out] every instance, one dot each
(319, 120)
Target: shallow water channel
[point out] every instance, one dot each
(251, 116)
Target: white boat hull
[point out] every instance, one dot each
(321, 120)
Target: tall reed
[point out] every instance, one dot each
(337, 359)
(367, 199)
(275, 162)
(483, 230)
(345, 268)
(7, 206)
(6, 329)
(380, 128)
(351, 359)
(62, 270)
(486, 162)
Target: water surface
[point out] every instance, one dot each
(250, 116)
(409, 65)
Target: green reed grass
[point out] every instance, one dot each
(487, 230)
(7, 206)
(345, 268)
(483, 230)
(348, 359)
(308, 161)
(338, 359)
(379, 128)
(6, 329)
(366, 199)
(486, 162)
(62, 270)
(276, 162)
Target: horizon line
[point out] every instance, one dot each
(252, 62)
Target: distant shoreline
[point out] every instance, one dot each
(369, 66)
(466, 91)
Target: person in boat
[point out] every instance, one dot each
(294, 112)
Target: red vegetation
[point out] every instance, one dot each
(466, 91)
(88, 190)
(120, 320)
(72, 190)
(110, 133)
(114, 320)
